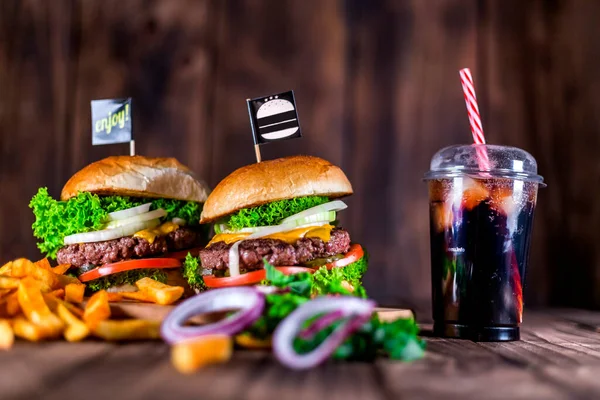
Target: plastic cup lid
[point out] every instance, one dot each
(504, 162)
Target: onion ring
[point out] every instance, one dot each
(248, 300)
(356, 310)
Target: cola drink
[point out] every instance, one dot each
(480, 231)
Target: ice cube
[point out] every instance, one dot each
(474, 192)
(505, 200)
(441, 215)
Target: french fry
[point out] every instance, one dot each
(43, 264)
(7, 336)
(64, 280)
(97, 309)
(250, 342)
(54, 301)
(139, 296)
(35, 308)
(114, 297)
(74, 292)
(76, 330)
(28, 330)
(22, 268)
(61, 269)
(6, 269)
(160, 293)
(11, 305)
(78, 312)
(190, 355)
(60, 293)
(127, 329)
(8, 282)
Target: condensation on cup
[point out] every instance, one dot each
(480, 231)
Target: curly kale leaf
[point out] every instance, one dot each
(272, 213)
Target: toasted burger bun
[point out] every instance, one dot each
(279, 179)
(137, 176)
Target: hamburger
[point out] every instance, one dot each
(121, 219)
(283, 212)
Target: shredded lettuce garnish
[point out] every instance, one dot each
(88, 212)
(272, 213)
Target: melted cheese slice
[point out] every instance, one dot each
(322, 232)
(162, 230)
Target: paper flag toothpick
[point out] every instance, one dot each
(111, 121)
(273, 118)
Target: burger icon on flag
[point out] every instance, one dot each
(274, 118)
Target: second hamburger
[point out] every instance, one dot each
(283, 211)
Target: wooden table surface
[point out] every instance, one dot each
(557, 358)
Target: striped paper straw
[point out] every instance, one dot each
(474, 119)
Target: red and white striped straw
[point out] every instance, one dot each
(475, 120)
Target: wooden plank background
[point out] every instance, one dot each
(377, 90)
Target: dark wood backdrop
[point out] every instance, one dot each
(378, 93)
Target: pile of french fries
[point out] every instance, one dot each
(39, 302)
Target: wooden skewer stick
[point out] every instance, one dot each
(257, 152)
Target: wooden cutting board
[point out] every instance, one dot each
(130, 309)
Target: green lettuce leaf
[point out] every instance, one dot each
(125, 277)
(272, 213)
(301, 287)
(330, 281)
(88, 212)
(299, 284)
(277, 307)
(397, 339)
(191, 272)
(56, 219)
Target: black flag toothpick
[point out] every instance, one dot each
(111, 122)
(273, 118)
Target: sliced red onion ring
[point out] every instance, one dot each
(249, 301)
(358, 311)
(320, 323)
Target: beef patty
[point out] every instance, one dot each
(99, 253)
(277, 252)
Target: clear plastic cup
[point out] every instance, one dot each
(480, 227)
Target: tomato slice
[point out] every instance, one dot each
(355, 253)
(249, 278)
(144, 263)
(180, 255)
